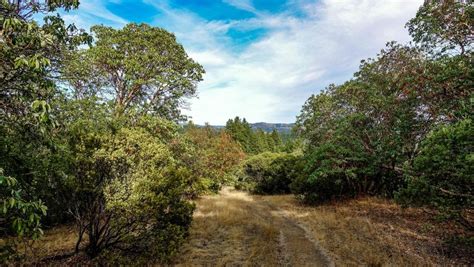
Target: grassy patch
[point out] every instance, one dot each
(373, 231)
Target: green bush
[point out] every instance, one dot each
(268, 173)
(442, 175)
(325, 175)
(129, 191)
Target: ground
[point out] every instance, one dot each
(238, 229)
(235, 228)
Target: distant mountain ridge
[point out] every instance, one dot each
(268, 127)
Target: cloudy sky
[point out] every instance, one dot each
(263, 58)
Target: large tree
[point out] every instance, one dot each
(138, 67)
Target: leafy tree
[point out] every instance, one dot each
(139, 67)
(30, 57)
(444, 26)
(442, 174)
(215, 156)
(125, 179)
(366, 135)
(444, 30)
(30, 54)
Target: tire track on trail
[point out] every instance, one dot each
(301, 249)
(243, 230)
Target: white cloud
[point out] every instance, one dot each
(271, 78)
(241, 4)
(92, 12)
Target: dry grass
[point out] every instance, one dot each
(372, 231)
(58, 241)
(226, 230)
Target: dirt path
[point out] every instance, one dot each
(234, 228)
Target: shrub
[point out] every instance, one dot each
(130, 192)
(442, 175)
(324, 176)
(213, 158)
(268, 173)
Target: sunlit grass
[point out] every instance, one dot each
(352, 236)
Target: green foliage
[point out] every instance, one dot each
(19, 217)
(104, 151)
(269, 173)
(253, 141)
(145, 66)
(30, 56)
(370, 133)
(129, 189)
(444, 25)
(125, 180)
(332, 170)
(214, 157)
(442, 174)
(30, 53)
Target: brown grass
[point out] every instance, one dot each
(373, 231)
(226, 230)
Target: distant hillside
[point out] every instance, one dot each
(268, 127)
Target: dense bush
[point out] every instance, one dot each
(268, 173)
(129, 189)
(326, 174)
(442, 174)
(215, 156)
(365, 135)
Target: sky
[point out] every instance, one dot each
(263, 58)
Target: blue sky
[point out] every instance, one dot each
(263, 58)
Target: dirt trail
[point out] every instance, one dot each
(234, 228)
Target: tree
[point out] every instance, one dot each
(30, 58)
(215, 156)
(444, 26)
(263, 143)
(364, 135)
(276, 141)
(145, 68)
(242, 132)
(30, 54)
